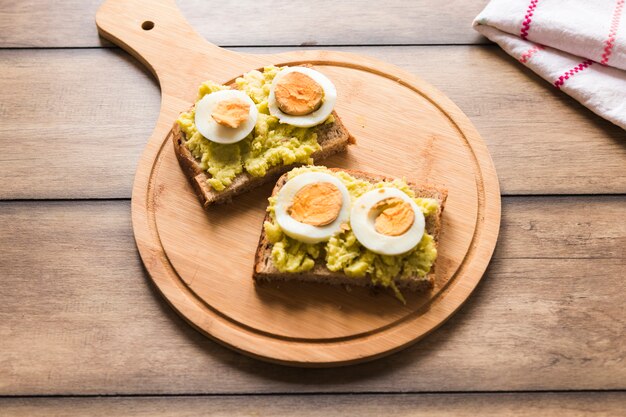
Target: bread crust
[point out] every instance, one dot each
(332, 137)
(264, 269)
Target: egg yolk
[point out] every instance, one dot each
(231, 113)
(316, 204)
(298, 94)
(395, 217)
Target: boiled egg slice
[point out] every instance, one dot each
(312, 207)
(387, 221)
(225, 116)
(301, 97)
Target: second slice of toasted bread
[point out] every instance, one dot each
(264, 269)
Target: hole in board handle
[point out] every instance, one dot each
(147, 25)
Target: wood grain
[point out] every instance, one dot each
(69, 117)
(541, 141)
(32, 23)
(599, 404)
(78, 315)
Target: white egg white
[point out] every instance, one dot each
(305, 232)
(363, 218)
(308, 120)
(215, 132)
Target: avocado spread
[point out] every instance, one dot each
(343, 252)
(270, 143)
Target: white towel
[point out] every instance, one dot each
(579, 46)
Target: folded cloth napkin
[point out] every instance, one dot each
(577, 45)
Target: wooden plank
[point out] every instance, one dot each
(78, 315)
(458, 405)
(83, 116)
(34, 23)
(97, 108)
(565, 228)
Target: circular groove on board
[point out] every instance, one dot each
(247, 322)
(432, 297)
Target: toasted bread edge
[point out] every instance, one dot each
(333, 138)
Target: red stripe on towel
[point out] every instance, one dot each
(610, 41)
(578, 68)
(528, 19)
(526, 55)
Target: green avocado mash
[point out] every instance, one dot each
(270, 143)
(343, 252)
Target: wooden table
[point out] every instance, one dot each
(84, 332)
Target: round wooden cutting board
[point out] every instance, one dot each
(202, 261)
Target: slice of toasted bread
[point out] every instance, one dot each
(264, 269)
(332, 137)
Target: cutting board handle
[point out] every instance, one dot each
(156, 33)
